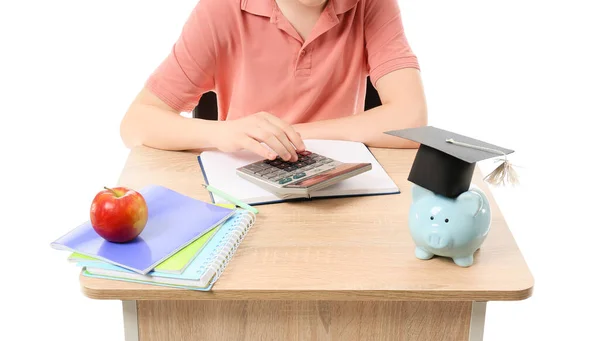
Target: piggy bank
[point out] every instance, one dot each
(449, 227)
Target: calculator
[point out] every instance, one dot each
(310, 173)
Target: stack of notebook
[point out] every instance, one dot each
(186, 243)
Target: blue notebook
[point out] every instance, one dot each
(174, 221)
(201, 273)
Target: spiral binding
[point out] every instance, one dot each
(222, 254)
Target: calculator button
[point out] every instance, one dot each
(300, 164)
(265, 171)
(285, 180)
(254, 167)
(327, 160)
(323, 168)
(299, 175)
(290, 168)
(309, 161)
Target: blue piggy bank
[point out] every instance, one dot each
(449, 227)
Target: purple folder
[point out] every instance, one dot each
(174, 221)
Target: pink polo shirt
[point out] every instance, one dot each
(248, 53)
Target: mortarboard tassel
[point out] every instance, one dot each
(504, 174)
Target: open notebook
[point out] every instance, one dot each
(219, 170)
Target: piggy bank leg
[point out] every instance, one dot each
(463, 261)
(422, 253)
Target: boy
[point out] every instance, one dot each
(283, 70)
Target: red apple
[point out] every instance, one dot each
(118, 214)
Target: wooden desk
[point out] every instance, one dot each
(335, 269)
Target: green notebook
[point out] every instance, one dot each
(175, 264)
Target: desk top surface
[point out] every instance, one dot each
(348, 248)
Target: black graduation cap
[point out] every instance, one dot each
(445, 161)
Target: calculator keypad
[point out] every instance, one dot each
(283, 172)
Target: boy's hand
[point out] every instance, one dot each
(248, 133)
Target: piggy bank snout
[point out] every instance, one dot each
(438, 239)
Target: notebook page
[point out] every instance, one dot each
(375, 181)
(220, 171)
(219, 168)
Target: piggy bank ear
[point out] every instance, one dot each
(419, 192)
(470, 201)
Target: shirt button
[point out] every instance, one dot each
(303, 52)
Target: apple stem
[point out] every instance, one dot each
(112, 191)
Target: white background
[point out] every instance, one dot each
(521, 74)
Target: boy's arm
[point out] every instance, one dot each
(402, 106)
(151, 122)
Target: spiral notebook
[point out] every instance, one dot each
(174, 221)
(201, 273)
(174, 264)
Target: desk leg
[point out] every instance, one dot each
(477, 321)
(310, 320)
(130, 320)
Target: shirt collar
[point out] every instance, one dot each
(258, 7)
(266, 7)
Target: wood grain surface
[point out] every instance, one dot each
(352, 249)
(303, 321)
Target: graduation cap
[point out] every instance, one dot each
(445, 161)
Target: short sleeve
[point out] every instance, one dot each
(387, 47)
(188, 70)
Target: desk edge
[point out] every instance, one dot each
(154, 293)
